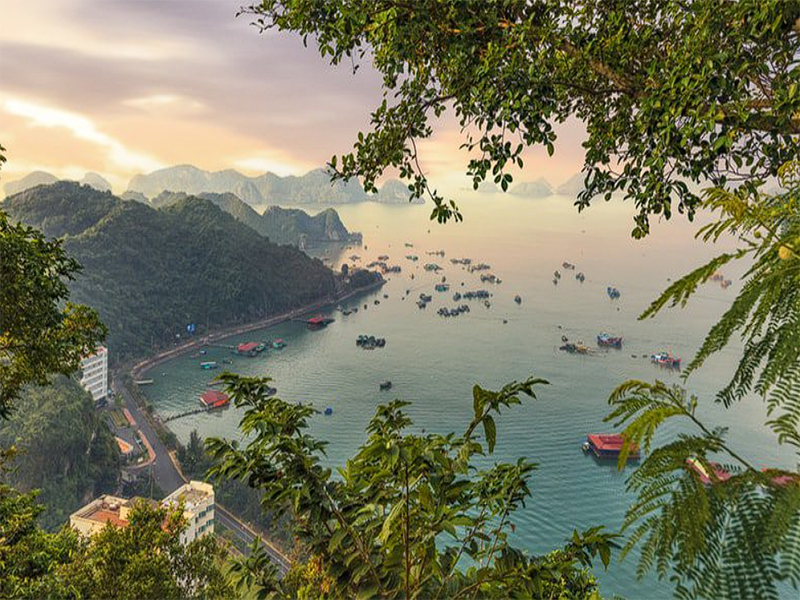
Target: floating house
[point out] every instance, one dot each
(319, 322)
(212, 399)
(609, 445)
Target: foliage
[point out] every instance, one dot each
(670, 91)
(735, 532)
(40, 332)
(408, 516)
(236, 496)
(147, 560)
(64, 449)
(150, 272)
(143, 560)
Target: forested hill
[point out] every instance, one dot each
(151, 272)
(64, 448)
(281, 225)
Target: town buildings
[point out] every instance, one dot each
(94, 370)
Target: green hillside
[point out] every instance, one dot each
(150, 273)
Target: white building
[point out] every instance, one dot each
(198, 508)
(95, 373)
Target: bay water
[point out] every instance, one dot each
(434, 361)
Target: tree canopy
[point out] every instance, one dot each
(408, 516)
(671, 92)
(39, 334)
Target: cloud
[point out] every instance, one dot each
(82, 128)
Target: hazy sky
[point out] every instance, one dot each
(127, 86)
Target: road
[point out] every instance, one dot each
(168, 478)
(247, 535)
(163, 470)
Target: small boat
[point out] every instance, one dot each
(612, 292)
(609, 341)
(279, 343)
(518, 299)
(564, 338)
(580, 277)
(212, 364)
(665, 360)
(386, 385)
(319, 322)
(328, 411)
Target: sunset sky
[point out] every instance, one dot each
(123, 87)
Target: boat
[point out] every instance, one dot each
(612, 292)
(386, 385)
(261, 347)
(608, 341)
(571, 348)
(518, 299)
(609, 445)
(279, 343)
(211, 364)
(665, 360)
(456, 297)
(247, 349)
(580, 277)
(442, 287)
(319, 322)
(328, 411)
(568, 266)
(556, 274)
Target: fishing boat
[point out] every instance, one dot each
(386, 385)
(612, 292)
(211, 364)
(665, 360)
(609, 445)
(578, 348)
(518, 299)
(608, 341)
(580, 277)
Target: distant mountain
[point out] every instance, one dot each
(282, 226)
(135, 196)
(572, 186)
(30, 180)
(297, 227)
(315, 187)
(96, 181)
(35, 178)
(540, 188)
(149, 272)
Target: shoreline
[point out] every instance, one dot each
(139, 369)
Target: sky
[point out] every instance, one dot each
(121, 87)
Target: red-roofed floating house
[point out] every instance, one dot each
(609, 445)
(212, 399)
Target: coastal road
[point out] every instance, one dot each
(247, 535)
(162, 468)
(169, 479)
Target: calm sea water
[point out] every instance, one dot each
(434, 361)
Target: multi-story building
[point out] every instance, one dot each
(95, 373)
(198, 508)
(106, 509)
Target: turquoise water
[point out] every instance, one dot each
(434, 361)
